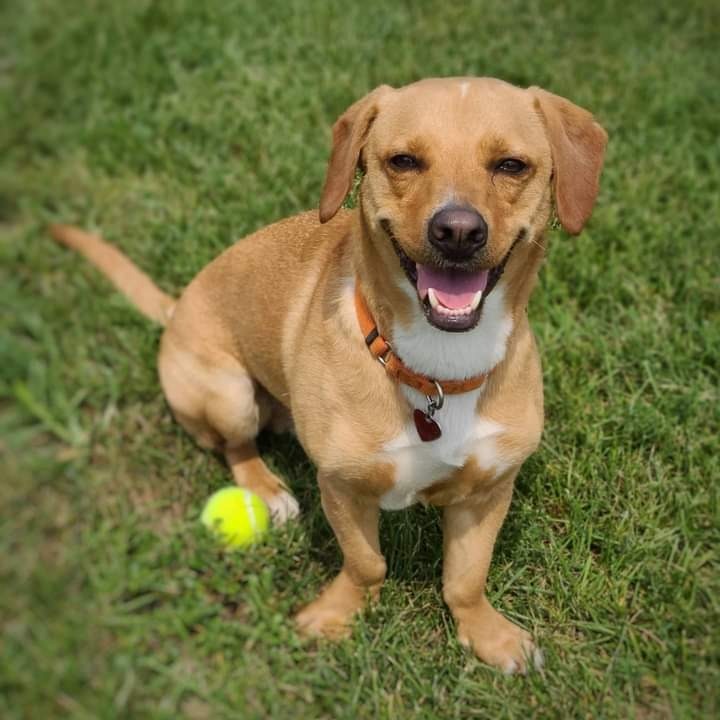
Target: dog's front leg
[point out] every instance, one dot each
(354, 519)
(469, 531)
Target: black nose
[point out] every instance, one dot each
(457, 232)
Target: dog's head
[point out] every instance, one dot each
(456, 173)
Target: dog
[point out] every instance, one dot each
(394, 335)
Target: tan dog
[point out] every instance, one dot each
(440, 258)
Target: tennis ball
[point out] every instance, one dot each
(237, 516)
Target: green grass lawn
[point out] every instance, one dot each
(174, 128)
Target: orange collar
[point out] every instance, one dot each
(395, 367)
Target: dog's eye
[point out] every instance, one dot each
(404, 162)
(511, 166)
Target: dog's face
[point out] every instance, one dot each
(456, 172)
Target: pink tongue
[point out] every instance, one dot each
(454, 288)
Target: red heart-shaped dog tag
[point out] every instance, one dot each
(427, 428)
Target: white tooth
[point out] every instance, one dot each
(476, 300)
(434, 302)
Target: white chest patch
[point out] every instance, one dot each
(418, 464)
(435, 353)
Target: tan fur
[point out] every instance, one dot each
(578, 146)
(268, 327)
(130, 280)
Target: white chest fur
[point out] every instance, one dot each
(434, 353)
(420, 464)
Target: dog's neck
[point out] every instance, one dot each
(426, 349)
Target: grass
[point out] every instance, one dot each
(176, 127)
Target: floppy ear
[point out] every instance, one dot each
(578, 145)
(350, 133)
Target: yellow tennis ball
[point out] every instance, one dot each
(237, 516)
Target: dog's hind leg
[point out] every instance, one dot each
(250, 471)
(219, 404)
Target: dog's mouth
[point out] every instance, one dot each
(452, 298)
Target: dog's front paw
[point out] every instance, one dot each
(318, 619)
(331, 614)
(283, 507)
(498, 642)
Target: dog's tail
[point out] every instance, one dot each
(126, 276)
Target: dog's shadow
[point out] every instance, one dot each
(411, 540)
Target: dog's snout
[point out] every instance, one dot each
(458, 232)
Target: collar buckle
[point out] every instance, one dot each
(383, 358)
